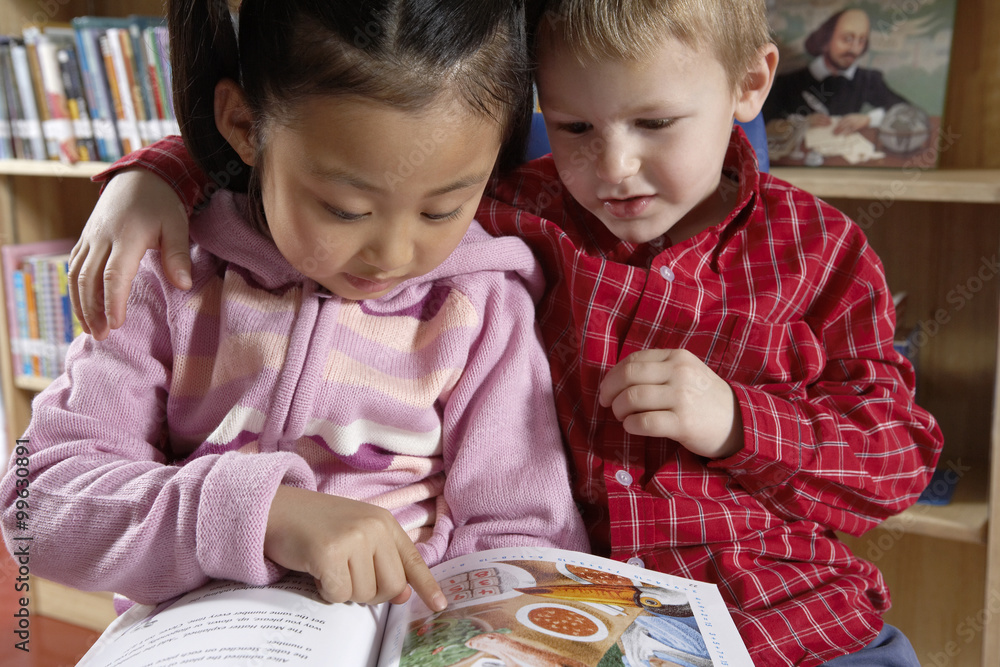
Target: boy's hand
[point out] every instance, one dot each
(673, 394)
(136, 211)
(355, 551)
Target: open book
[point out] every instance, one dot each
(507, 608)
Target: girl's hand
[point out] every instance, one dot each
(355, 551)
(137, 211)
(673, 394)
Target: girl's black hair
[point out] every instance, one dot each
(400, 52)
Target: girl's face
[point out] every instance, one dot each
(360, 196)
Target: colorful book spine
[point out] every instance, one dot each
(14, 112)
(77, 104)
(19, 333)
(135, 59)
(154, 74)
(128, 125)
(34, 368)
(102, 112)
(58, 127)
(163, 53)
(30, 38)
(6, 132)
(68, 317)
(31, 122)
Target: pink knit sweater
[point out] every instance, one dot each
(154, 458)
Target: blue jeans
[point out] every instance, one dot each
(890, 649)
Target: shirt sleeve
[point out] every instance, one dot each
(111, 507)
(169, 159)
(508, 481)
(852, 447)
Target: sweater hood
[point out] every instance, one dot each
(223, 230)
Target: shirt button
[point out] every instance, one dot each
(624, 478)
(667, 274)
(635, 560)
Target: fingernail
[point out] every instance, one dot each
(112, 322)
(440, 603)
(185, 278)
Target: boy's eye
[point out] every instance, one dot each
(444, 216)
(654, 123)
(574, 128)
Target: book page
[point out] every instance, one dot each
(229, 623)
(553, 608)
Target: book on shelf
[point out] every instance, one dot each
(859, 84)
(29, 127)
(528, 606)
(93, 89)
(12, 113)
(40, 318)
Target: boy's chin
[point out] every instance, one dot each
(636, 232)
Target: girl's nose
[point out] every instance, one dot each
(390, 252)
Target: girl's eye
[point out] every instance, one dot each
(457, 213)
(655, 123)
(344, 215)
(574, 128)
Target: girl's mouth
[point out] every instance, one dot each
(369, 286)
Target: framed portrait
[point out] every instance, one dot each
(859, 82)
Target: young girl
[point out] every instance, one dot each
(356, 367)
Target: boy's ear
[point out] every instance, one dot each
(233, 119)
(757, 84)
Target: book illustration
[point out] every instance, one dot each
(554, 614)
(858, 83)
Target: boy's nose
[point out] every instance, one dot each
(617, 161)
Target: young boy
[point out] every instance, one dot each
(720, 341)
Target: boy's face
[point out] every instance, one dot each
(641, 144)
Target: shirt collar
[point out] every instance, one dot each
(820, 71)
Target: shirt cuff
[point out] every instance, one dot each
(232, 514)
(168, 159)
(772, 435)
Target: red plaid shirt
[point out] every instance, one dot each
(788, 303)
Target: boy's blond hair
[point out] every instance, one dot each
(734, 30)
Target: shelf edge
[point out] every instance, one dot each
(972, 186)
(30, 383)
(51, 168)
